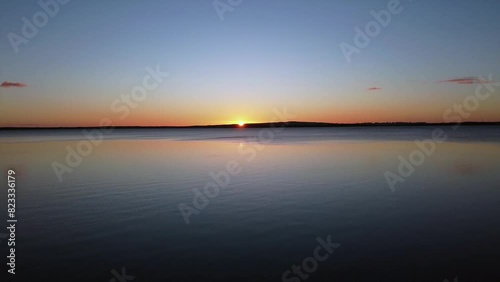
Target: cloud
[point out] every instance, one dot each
(465, 80)
(12, 84)
(374, 88)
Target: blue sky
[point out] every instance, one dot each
(264, 54)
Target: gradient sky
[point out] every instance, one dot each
(263, 55)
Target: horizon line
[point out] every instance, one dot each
(262, 124)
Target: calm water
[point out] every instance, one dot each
(120, 206)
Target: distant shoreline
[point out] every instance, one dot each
(290, 124)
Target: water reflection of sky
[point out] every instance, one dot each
(127, 192)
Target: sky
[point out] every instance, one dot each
(229, 61)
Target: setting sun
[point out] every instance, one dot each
(241, 123)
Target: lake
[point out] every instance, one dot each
(291, 204)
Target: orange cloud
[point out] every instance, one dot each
(12, 84)
(465, 80)
(374, 88)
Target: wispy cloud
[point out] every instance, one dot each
(465, 80)
(374, 88)
(12, 84)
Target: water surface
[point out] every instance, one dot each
(120, 206)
